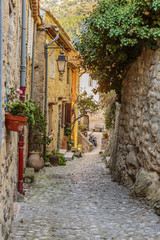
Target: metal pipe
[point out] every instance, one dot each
(33, 58)
(46, 77)
(23, 45)
(22, 96)
(1, 65)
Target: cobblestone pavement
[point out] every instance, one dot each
(79, 202)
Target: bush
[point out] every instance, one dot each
(109, 117)
(82, 127)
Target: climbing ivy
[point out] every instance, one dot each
(114, 36)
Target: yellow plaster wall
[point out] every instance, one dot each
(56, 88)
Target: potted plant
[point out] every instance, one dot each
(15, 123)
(37, 138)
(56, 158)
(18, 113)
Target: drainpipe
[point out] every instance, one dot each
(22, 96)
(33, 58)
(1, 65)
(46, 77)
(32, 78)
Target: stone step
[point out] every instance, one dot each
(62, 151)
(78, 154)
(28, 176)
(69, 156)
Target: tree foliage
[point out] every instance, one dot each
(70, 13)
(86, 105)
(114, 35)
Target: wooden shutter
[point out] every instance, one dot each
(68, 113)
(30, 34)
(63, 115)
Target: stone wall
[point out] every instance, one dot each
(11, 78)
(138, 152)
(86, 145)
(8, 152)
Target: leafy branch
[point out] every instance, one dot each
(114, 36)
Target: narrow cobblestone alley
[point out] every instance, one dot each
(79, 201)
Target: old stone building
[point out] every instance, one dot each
(61, 88)
(11, 29)
(136, 156)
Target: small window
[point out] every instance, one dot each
(52, 63)
(30, 34)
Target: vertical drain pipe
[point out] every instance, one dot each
(33, 58)
(32, 78)
(22, 96)
(1, 65)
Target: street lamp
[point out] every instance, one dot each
(61, 63)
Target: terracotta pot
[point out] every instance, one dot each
(64, 144)
(15, 123)
(35, 161)
(54, 160)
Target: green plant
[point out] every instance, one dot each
(81, 127)
(109, 117)
(105, 135)
(61, 161)
(68, 132)
(36, 120)
(114, 36)
(38, 136)
(79, 146)
(86, 105)
(19, 108)
(25, 109)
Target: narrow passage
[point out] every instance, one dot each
(79, 201)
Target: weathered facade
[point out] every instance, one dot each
(12, 28)
(136, 155)
(60, 87)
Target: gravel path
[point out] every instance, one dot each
(79, 201)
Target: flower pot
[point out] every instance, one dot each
(35, 161)
(54, 160)
(15, 123)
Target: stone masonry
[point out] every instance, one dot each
(12, 20)
(8, 152)
(138, 152)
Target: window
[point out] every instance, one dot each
(63, 115)
(68, 113)
(52, 62)
(30, 34)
